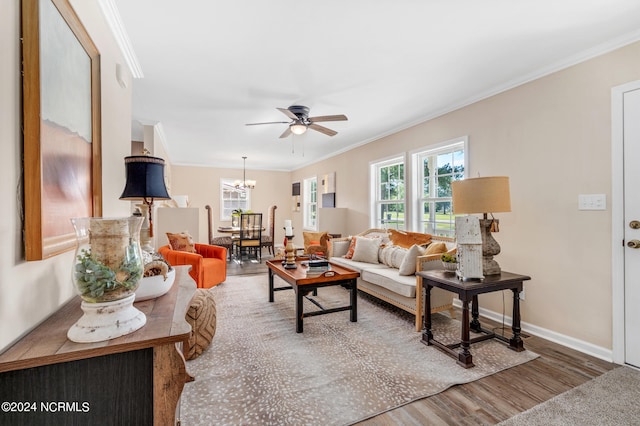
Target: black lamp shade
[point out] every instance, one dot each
(145, 178)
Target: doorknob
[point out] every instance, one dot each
(634, 244)
(634, 224)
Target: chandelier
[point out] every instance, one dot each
(244, 183)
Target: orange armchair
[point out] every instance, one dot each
(208, 264)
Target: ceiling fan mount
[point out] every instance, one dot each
(300, 121)
(300, 111)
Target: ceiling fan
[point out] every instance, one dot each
(300, 121)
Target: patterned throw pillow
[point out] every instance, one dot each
(352, 248)
(392, 256)
(181, 242)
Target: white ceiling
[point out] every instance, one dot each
(212, 66)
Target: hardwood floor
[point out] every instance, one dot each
(498, 397)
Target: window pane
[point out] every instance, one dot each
(439, 169)
(232, 198)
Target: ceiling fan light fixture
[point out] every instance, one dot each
(298, 128)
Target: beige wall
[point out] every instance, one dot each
(202, 185)
(552, 137)
(31, 291)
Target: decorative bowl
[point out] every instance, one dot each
(449, 266)
(155, 286)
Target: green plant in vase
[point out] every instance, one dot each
(449, 261)
(97, 282)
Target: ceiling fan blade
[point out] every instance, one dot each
(322, 129)
(268, 122)
(288, 113)
(286, 133)
(339, 117)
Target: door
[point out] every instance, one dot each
(631, 147)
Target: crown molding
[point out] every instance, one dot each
(112, 16)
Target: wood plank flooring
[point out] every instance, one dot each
(498, 397)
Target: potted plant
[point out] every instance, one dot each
(449, 262)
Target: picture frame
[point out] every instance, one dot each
(62, 127)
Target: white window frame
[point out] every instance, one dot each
(310, 204)
(417, 196)
(375, 202)
(228, 205)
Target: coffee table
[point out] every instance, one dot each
(303, 285)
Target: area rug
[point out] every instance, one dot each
(609, 399)
(259, 371)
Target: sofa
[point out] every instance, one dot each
(387, 261)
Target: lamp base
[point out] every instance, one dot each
(490, 248)
(106, 320)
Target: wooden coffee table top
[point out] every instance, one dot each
(299, 275)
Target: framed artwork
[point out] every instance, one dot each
(61, 116)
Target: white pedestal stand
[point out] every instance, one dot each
(106, 320)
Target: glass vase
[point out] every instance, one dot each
(108, 264)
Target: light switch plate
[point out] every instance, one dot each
(592, 202)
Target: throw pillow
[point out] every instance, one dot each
(313, 238)
(408, 266)
(436, 248)
(366, 249)
(393, 256)
(181, 242)
(341, 246)
(407, 239)
(352, 247)
(202, 318)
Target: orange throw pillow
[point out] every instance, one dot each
(436, 248)
(181, 242)
(407, 239)
(352, 248)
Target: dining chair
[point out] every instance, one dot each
(267, 239)
(218, 241)
(248, 240)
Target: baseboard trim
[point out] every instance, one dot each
(555, 337)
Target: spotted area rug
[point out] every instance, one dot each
(259, 371)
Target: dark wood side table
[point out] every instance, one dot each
(468, 291)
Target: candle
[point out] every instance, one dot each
(287, 223)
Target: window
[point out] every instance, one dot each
(232, 198)
(389, 193)
(310, 213)
(435, 170)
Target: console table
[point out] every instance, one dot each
(134, 379)
(468, 291)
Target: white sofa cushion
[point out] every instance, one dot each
(404, 285)
(356, 266)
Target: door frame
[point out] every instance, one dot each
(617, 218)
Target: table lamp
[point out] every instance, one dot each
(486, 195)
(145, 181)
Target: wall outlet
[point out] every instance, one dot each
(521, 296)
